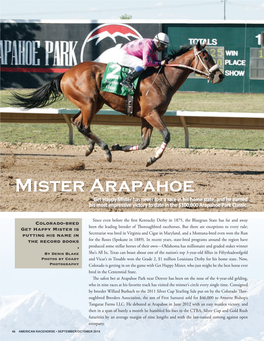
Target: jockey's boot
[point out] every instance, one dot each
(128, 81)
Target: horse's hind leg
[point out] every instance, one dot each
(91, 144)
(83, 122)
(80, 85)
(90, 147)
(156, 121)
(101, 144)
(146, 130)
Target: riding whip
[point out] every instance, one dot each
(154, 80)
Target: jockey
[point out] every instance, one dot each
(140, 54)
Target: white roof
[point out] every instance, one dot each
(132, 21)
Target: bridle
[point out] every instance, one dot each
(208, 73)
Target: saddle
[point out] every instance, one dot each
(114, 74)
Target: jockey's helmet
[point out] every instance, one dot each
(161, 40)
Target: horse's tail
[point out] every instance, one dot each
(41, 97)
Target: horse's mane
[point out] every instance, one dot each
(176, 53)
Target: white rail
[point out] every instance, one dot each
(185, 119)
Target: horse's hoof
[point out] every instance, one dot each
(115, 147)
(88, 152)
(108, 157)
(151, 160)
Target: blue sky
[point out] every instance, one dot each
(140, 10)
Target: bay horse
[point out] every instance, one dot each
(81, 85)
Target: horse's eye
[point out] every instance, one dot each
(206, 59)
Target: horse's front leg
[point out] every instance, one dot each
(146, 131)
(156, 121)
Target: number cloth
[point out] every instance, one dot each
(114, 74)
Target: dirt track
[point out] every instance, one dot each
(237, 175)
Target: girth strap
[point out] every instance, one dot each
(129, 105)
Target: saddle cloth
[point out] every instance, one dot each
(114, 74)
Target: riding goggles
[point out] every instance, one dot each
(163, 45)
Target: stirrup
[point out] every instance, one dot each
(127, 85)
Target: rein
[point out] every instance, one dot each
(208, 72)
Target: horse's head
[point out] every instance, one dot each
(204, 63)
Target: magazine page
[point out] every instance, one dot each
(115, 238)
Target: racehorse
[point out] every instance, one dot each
(81, 85)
